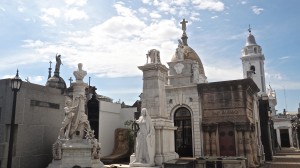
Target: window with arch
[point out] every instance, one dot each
(252, 68)
(255, 50)
(245, 51)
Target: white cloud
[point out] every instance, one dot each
(155, 15)
(36, 79)
(49, 15)
(213, 5)
(76, 2)
(124, 11)
(32, 43)
(244, 2)
(143, 10)
(214, 17)
(54, 12)
(257, 10)
(220, 73)
(285, 57)
(2, 9)
(75, 14)
(21, 9)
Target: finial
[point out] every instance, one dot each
(184, 37)
(17, 75)
(49, 75)
(249, 29)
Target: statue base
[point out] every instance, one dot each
(76, 153)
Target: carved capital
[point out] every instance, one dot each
(209, 127)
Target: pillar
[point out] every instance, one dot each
(278, 136)
(154, 99)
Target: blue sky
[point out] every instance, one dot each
(111, 39)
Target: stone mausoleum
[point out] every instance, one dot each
(219, 119)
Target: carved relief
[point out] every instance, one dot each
(178, 68)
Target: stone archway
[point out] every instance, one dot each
(183, 134)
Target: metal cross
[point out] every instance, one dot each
(50, 63)
(70, 79)
(249, 29)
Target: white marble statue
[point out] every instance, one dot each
(196, 74)
(145, 141)
(66, 124)
(154, 56)
(179, 51)
(80, 122)
(79, 73)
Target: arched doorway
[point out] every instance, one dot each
(183, 134)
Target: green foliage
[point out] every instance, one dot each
(130, 133)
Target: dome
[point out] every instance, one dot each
(250, 40)
(56, 82)
(189, 54)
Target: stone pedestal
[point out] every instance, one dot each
(79, 89)
(76, 153)
(164, 141)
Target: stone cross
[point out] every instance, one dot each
(183, 23)
(70, 79)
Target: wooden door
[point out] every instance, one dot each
(227, 140)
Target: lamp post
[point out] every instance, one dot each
(15, 84)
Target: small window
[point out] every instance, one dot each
(245, 51)
(252, 68)
(255, 50)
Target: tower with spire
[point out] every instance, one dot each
(253, 62)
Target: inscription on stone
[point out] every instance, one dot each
(221, 113)
(44, 104)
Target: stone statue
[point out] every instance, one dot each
(183, 25)
(154, 56)
(145, 141)
(69, 114)
(197, 77)
(58, 63)
(179, 51)
(80, 122)
(79, 74)
(196, 74)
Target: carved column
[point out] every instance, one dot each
(248, 149)
(254, 147)
(213, 144)
(206, 144)
(240, 143)
(240, 128)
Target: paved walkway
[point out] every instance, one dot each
(285, 158)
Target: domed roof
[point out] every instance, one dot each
(250, 40)
(56, 82)
(189, 54)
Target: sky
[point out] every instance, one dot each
(111, 39)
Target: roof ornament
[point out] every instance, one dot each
(49, 75)
(184, 37)
(249, 29)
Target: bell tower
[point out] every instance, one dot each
(253, 62)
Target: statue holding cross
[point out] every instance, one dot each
(183, 24)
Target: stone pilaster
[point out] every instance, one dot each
(154, 99)
(248, 149)
(154, 94)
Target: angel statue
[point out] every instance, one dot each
(69, 115)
